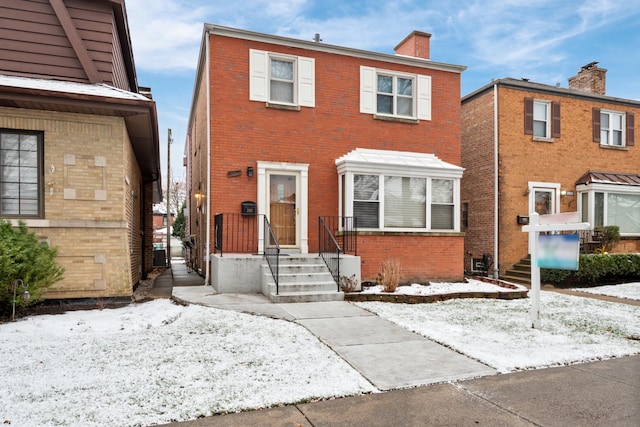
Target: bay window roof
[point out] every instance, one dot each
(593, 177)
(396, 162)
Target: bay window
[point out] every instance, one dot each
(397, 191)
(603, 205)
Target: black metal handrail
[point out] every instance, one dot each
(235, 233)
(344, 229)
(272, 251)
(329, 250)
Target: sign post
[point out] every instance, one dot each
(551, 251)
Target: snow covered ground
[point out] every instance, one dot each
(158, 362)
(625, 290)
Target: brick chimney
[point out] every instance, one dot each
(415, 44)
(590, 78)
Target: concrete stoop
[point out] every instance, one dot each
(301, 279)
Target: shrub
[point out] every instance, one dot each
(389, 276)
(610, 237)
(22, 256)
(596, 269)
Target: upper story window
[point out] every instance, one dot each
(395, 95)
(613, 128)
(281, 79)
(392, 94)
(281, 87)
(21, 173)
(541, 119)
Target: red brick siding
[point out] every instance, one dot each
(477, 186)
(422, 258)
(244, 132)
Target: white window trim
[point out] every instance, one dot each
(369, 90)
(548, 119)
(606, 189)
(536, 185)
(610, 143)
(349, 199)
(425, 166)
(259, 78)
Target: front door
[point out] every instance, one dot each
(544, 198)
(283, 209)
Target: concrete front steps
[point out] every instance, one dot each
(301, 279)
(520, 272)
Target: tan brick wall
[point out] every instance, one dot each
(562, 161)
(90, 214)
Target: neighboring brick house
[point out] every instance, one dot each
(305, 129)
(531, 147)
(79, 144)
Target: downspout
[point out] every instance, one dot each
(496, 215)
(207, 279)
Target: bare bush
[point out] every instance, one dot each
(389, 276)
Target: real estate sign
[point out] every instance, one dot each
(559, 251)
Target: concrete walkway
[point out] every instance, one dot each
(460, 391)
(363, 339)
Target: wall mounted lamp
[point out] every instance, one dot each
(249, 171)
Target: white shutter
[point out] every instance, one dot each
(258, 75)
(367, 90)
(306, 82)
(424, 97)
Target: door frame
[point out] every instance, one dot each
(301, 171)
(545, 186)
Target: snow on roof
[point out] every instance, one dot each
(99, 89)
(398, 160)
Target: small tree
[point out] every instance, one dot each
(180, 223)
(23, 257)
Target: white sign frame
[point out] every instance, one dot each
(567, 221)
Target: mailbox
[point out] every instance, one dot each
(248, 208)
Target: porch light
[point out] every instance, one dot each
(249, 171)
(25, 296)
(198, 199)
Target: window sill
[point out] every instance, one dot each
(410, 233)
(613, 147)
(541, 139)
(283, 106)
(396, 119)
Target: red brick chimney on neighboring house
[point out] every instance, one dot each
(590, 78)
(415, 44)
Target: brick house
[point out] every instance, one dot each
(302, 129)
(79, 144)
(532, 147)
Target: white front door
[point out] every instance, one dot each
(283, 199)
(544, 198)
